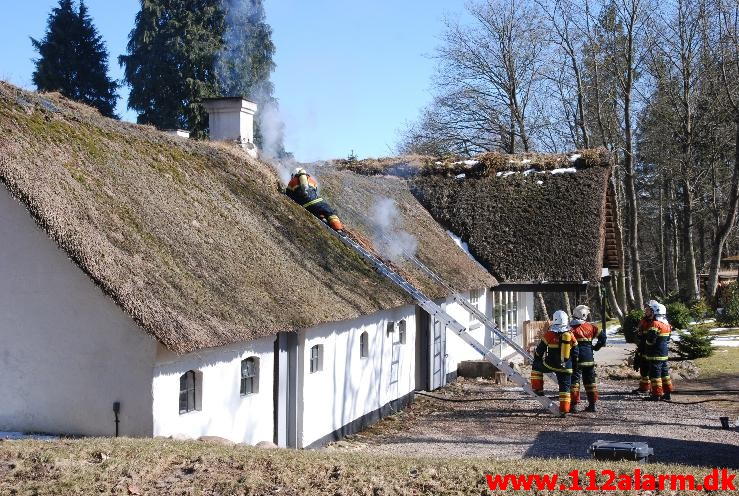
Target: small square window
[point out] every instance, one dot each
(390, 327)
(316, 358)
(401, 332)
(364, 345)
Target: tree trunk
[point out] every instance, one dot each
(690, 279)
(722, 234)
(613, 301)
(542, 305)
(568, 308)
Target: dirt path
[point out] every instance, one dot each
(508, 425)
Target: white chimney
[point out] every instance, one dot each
(232, 119)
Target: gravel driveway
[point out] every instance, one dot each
(508, 425)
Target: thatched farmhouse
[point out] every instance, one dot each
(170, 285)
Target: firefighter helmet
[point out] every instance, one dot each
(658, 309)
(559, 321)
(582, 312)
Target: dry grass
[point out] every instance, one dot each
(192, 239)
(723, 362)
(137, 467)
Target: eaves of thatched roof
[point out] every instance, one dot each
(530, 218)
(194, 240)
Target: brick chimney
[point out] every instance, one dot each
(232, 119)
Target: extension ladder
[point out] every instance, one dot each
(491, 325)
(436, 311)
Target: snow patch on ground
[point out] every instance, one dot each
(23, 435)
(575, 157)
(460, 176)
(722, 329)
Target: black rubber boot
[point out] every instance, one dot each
(590, 408)
(667, 397)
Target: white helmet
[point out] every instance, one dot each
(658, 308)
(582, 312)
(299, 171)
(559, 321)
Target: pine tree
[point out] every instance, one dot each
(244, 67)
(172, 51)
(73, 59)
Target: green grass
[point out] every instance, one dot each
(723, 362)
(154, 466)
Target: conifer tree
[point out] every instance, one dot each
(172, 51)
(73, 59)
(244, 67)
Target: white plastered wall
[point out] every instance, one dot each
(457, 350)
(224, 411)
(67, 351)
(349, 386)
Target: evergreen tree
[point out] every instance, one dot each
(244, 67)
(172, 51)
(73, 59)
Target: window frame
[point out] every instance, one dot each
(192, 392)
(246, 379)
(474, 300)
(316, 362)
(402, 331)
(364, 345)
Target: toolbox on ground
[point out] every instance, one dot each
(620, 450)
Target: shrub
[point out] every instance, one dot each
(678, 315)
(700, 310)
(730, 302)
(695, 343)
(671, 297)
(631, 323)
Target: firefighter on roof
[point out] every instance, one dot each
(303, 189)
(585, 332)
(556, 353)
(657, 341)
(641, 364)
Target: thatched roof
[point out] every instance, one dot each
(383, 210)
(194, 240)
(526, 218)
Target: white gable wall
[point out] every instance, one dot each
(224, 411)
(350, 387)
(67, 351)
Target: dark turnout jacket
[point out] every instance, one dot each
(557, 351)
(585, 333)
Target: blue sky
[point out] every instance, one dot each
(349, 74)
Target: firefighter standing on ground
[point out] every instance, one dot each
(585, 332)
(641, 365)
(303, 189)
(656, 349)
(556, 353)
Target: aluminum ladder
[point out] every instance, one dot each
(436, 311)
(491, 325)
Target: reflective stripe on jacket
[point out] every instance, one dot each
(585, 333)
(657, 341)
(303, 189)
(557, 351)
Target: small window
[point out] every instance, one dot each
(364, 345)
(401, 332)
(249, 376)
(190, 391)
(316, 358)
(475, 296)
(390, 327)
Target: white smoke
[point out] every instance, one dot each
(388, 236)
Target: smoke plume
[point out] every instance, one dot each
(388, 236)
